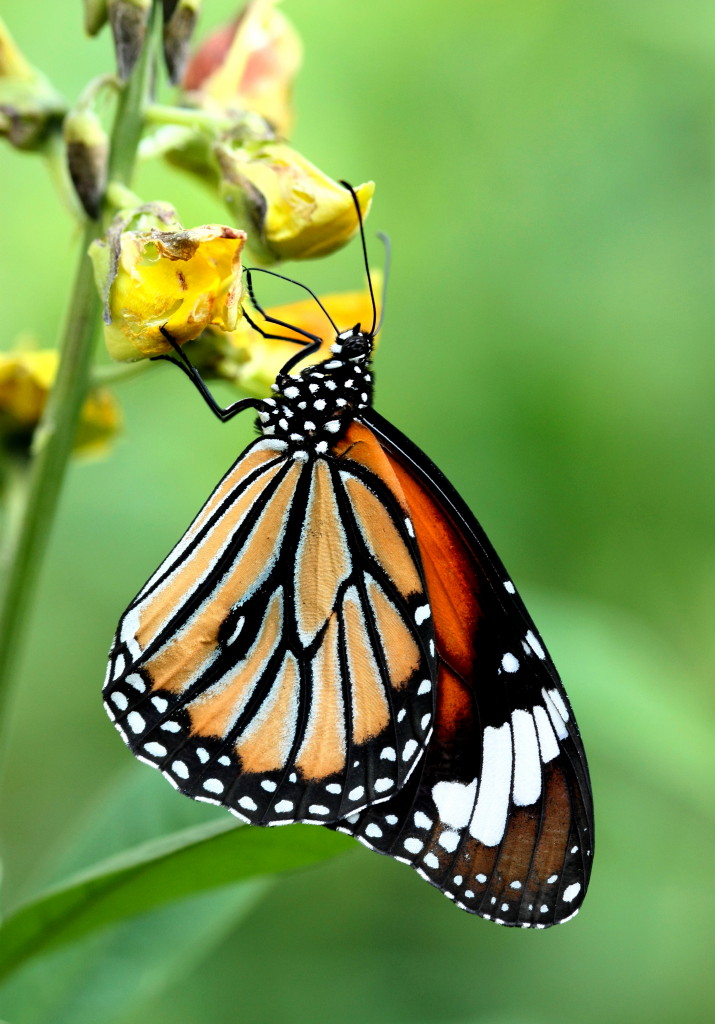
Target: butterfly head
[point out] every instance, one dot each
(312, 409)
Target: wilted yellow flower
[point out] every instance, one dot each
(181, 280)
(25, 381)
(293, 210)
(252, 361)
(249, 64)
(29, 106)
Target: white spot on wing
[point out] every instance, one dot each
(535, 645)
(383, 784)
(119, 700)
(449, 841)
(490, 814)
(422, 614)
(454, 802)
(283, 806)
(213, 785)
(556, 719)
(155, 749)
(509, 587)
(413, 845)
(180, 768)
(422, 821)
(409, 749)
(560, 705)
(318, 809)
(547, 740)
(135, 722)
(431, 861)
(388, 754)
(373, 830)
(527, 764)
(509, 663)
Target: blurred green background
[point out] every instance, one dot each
(544, 169)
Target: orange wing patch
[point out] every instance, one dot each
(323, 750)
(213, 713)
(322, 560)
(266, 742)
(398, 644)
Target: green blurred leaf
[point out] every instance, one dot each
(109, 976)
(158, 872)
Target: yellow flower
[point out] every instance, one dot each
(252, 361)
(249, 65)
(181, 280)
(294, 210)
(25, 381)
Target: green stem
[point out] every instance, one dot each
(186, 117)
(56, 432)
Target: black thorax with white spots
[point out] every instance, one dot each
(312, 409)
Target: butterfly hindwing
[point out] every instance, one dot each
(498, 815)
(281, 660)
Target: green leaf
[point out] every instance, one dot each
(158, 872)
(110, 975)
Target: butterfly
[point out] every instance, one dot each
(335, 641)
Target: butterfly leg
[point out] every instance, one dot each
(186, 366)
(308, 347)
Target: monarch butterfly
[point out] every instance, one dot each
(335, 641)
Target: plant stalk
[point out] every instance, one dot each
(56, 431)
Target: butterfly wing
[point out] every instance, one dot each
(499, 814)
(251, 669)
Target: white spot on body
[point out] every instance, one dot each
(489, 819)
(527, 763)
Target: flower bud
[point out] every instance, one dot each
(179, 23)
(95, 16)
(152, 278)
(252, 362)
(87, 152)
(25, 381)
(290, 208)
(129, 20)
(30, 108)
(249, 64)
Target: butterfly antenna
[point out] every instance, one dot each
(356, 201)
(290, 280)
(385, 275)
